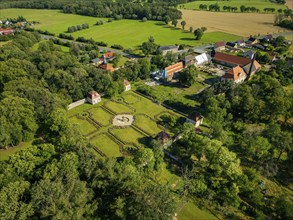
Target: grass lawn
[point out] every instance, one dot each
(128, 33)
(83, 125)
(130, 98)
(101, 116)
(128, 135)
(182, 97)
(107, 145)
(147, 124)
(259, 4)
(191, 211)
(5, 154)
(118, 108)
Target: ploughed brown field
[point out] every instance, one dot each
(242, 24)
(289, 4)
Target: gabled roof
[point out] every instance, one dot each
(174, 68)
(220, 44)
(249, 54)
(163, 135)
(235, 73)
(126, 82)
(189, 58)
(255, 67)
(106, 66)
(195, 116)
(203, 58)
(108, 54)
(236, 60)
(93, 94)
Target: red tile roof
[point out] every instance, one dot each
(227, 58)
(106, 66)
(126, 82)
(108, 54)
(93, 94)
(220, 44)
(174, 68)
(6, 31)
(235, 73)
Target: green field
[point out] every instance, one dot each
(128, 33)
(118, 107)
(259, 4)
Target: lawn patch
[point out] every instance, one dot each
(106, 145)
(146, 124)
(128, 135)
(118, 107)
(130, 98)
(84, 126)
(101, 116)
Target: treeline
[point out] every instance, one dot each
(242, 8)
(77, 28)
(108, 8)
(58, 176)
(284, 19)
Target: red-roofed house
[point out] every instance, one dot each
(236, 74)
(230, 60)
(195, 118)
(93, 97)
(109, 55)
(253, 69)
(219, 46)
(127, 85)
(6, 31)
(107, 66)
(170, 71)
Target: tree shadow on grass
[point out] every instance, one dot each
(145, 141)
(187, 38)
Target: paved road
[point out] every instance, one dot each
(47, 37)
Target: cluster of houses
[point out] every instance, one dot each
(103, 61)
(8, 27)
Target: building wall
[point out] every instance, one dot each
(77, 103)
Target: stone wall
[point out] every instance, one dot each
(77, 103)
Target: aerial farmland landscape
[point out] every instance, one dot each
(151, 109)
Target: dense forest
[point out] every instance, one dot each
(250, 140)
(152, 10)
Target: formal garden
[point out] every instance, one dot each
(119, 125)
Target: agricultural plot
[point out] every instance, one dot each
(259, 4)
(239, 24)
(131, 32)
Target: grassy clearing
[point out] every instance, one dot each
(128, 33)
(5, 154)
(108, 146)
(84, 126)
(147, 124)
(191, 211)
(101, 116)
(239, 24)
(259, 4)
(128, 135)
(130, 98)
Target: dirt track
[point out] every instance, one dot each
(242, 24)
